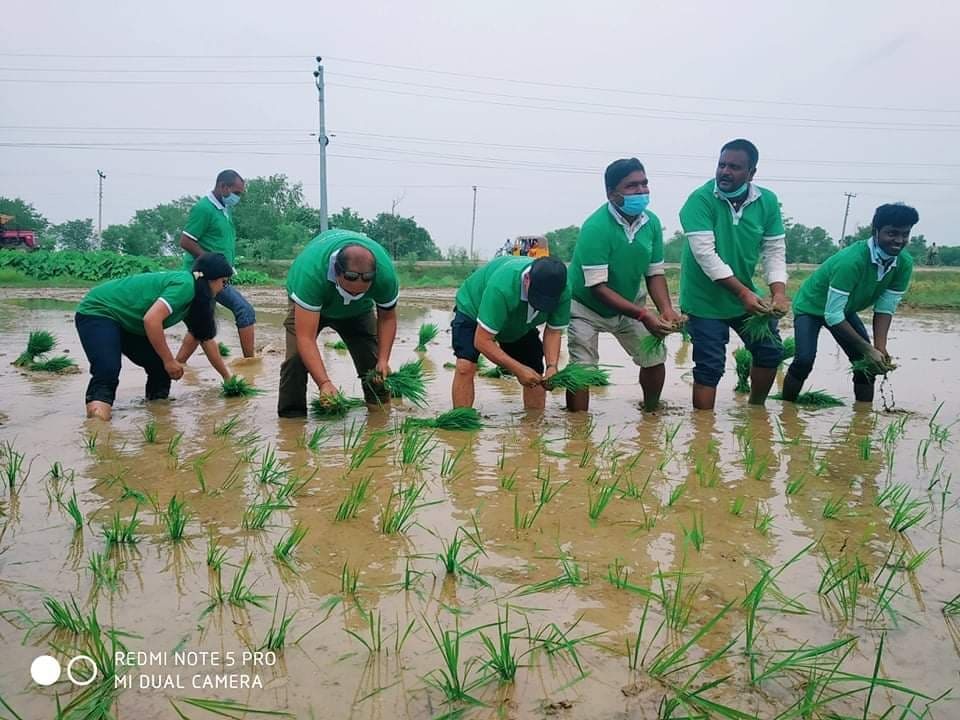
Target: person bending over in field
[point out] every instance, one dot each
(127, 316)
(873, 272)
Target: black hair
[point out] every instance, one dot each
(228, 177)
(201, 321)
(753, 155)
(340, 265)
(618, 170)
(895, 214)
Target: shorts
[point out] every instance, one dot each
(528, 350)
(586, 326)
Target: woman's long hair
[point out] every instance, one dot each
(201, 321)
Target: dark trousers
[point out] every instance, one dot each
(360, 336)
(806, 332)
(104, 342)
(710, 337)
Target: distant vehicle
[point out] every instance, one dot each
(526, 245)
(13, 239)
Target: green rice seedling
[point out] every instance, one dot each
(675, 494)
(593, 478)
(493, 372)
(73, 510)
(795, 485)
(569, 576)
(585, 457)
(706, 471)
(224, 708)
(667, 662)
(176, 518)
(237, 386)
(744, 361)
(451, 680)
(106, 572)
(502, 456)
(257, 515)
(547, 491)
(402, 504)
(789, 348)
(283, 550)
(865, 444)
(336, 345)
(348, 580)
(315, 439)
(597, 504)
(501, 660)
(508, 482)
(762, 519)
(149, 432)
(129, 493)
(294, 485)
(916, 561)
(841, 581)
(276, 637)
(757, 328)
(870, 368)
(759, 466)
(56, 364)
(375, 628)
(216, 555)
(618, 575)
(173, 444)
(428, 333)
(456, 565)
(883, 603)
(407, 382)
(677, 601)
(270, 471)
(90, 442)
(353, 435)
(555, 641)
(906, 512)
(224, 349)
(39, 342)
(449, 366)
(952, 606)
(227, 427)
(12, 467)
(457, 419)
(122, 533)
(325, 407)
(65, 615)
(524, 521)
(651, 344)
(736, 506)
(415, 447)
(449, 463)
(670, 434)
(832, 507)
(350, 505)
(576, 377)
(240, 594)
(695, 535)
(372, 447)
(814, 399)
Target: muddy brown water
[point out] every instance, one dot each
(165, 588)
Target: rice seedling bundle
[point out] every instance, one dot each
(651, 344)
(407, 382)
(224, 349)
(337, 345)
(870, 368)
(756, 328)
(57, 364)
(494, 372)
(334, 406)
(428, 333)
(456, 419)
(38, 343)
(238, 386)
(576, 377)
(744, 360)
(789, 348)
(814, 399)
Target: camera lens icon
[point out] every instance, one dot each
(45, 670)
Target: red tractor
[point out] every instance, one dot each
(13, 239)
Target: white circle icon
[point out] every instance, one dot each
(45, 670)
(93, 671)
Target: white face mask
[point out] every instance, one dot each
(347, 297)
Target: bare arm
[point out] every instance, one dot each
(212, 350)
(484, 342)
(386, 335)
(660, 294)
(881, 327)
(306, 325)
(153, 327)
(190, 245)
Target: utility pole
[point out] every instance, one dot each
(101, 177)
(843, 232)
(323, 140)
(473, 222)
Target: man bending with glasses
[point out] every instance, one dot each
(345, 281)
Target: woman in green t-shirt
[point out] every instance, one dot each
(127, 316)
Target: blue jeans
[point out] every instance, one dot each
(710, 337)
(806, 331)
(236, 303)
(104, 342)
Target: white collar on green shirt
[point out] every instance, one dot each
(531, 311)
(629, 229)
(332, 277)
(882, 267)
(217, 204)
(752, 194)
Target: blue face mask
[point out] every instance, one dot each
(733, 193)
(635, 204)
(231, 200)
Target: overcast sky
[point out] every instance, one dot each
(526, 100)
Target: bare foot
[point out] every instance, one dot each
(99, 409)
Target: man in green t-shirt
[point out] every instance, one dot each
(336, 281)
(499, 308)
(731, 224)
(210, 228)
(618, 252)
(873, 272)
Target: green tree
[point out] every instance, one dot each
(403, 237)
(918, 249)
(348, 219)
(73, 235)
(808, 245)
(272, 220)
(562, 241)
(25, 216)
(673, 248)
(864, 232)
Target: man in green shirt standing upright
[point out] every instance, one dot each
(731, 224)
(873, 272)
(619, 250)
(210, 228)
(336, 281)
(499, 308)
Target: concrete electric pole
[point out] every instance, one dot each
(473, 221)
(101, 177)
(323, 140)
(843, 231)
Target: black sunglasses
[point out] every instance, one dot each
(354, 276)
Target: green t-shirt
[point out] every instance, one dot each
(493, 296)
(212, 228)
(603, 242)
(852, 271)
(739, 239)
(126, 300)
(311, 284)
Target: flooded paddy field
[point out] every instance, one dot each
(752, 563)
